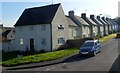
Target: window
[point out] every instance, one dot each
(74, 32)
(21, 41)
(60, 27)
(43, 41)
(31, 28)
(61, 40)
(43, 27)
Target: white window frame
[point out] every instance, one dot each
(21, 42)
(60, 27)
(61, 41)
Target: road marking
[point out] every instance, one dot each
(49, 69)
(55, 67)
(64, 63)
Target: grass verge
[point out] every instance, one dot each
(40, 57)
(103, 39)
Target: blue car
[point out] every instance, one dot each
(91, 47)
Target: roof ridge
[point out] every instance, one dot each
(42, 6)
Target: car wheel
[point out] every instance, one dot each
(99, 51)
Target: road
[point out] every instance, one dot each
(104, 61)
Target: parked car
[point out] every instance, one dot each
(91, 47)
(118, 35)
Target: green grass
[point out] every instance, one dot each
(40, 57)
(45, 56)
(103, 39)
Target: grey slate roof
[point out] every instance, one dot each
(107, 22)
(38, 15)
(92, 21)
(6, 33)
(114, 22)
(83, 22)
(110, 22)
(97, 21)
(102, 22)
(70, 22)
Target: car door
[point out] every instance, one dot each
(97, 46)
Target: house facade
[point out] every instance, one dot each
(84, 28)
(104, 26)
(108, 24)
(111, 24)
(41, 28)
(93, 25)
(115, 25)
(74, 29)
(99, 25)
(7, 38)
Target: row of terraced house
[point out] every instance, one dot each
(47, 28)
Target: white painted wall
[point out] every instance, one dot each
(59, 19)
(8, 46)
(35, 32)
(74, 32)
(85, 31)
(11, 35)
(101, 30)
(106, 29)
(95, 30)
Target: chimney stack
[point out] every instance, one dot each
(103, 18)
(71, 13)
(107, 19)
(98, 17)
(83, 15)
(92, 16)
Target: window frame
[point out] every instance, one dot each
(61, 41)
(60, 27)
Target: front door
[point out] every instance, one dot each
(32, 44)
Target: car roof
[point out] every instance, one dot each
(91, 41)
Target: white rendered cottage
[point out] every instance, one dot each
(41, 28)
(82, 29)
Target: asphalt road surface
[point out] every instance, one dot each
(105, 61)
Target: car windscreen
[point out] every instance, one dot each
(88, 44)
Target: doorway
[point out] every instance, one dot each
(32, 44)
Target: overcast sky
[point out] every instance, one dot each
(10, 10)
